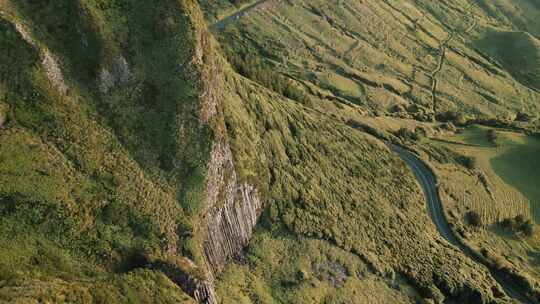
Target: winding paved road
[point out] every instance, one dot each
(223, 22)
(427, 181)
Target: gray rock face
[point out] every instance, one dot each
(48, 61)
(231, 212)
(204, 293)
(229, 221)
(53, 72)
(119, 74)
(120, 69)
(106, 81)
(231, 228)
(182, 272)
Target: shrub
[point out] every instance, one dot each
(492, 137)
(468, 162)
(523, 117)
(527, 228)
(365, 128)
(507, 223)
(407, 134)
(449, 126)
(519, 225)
(3, 114)
(456, 118)
(474, 219)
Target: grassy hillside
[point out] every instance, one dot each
(496, 188)
(407, 59)
(388, 65)
(306, 271)
(89, 144)
(327, 181)
(518, 52)
(518, 168)
(109, 111)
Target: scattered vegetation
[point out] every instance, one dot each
(468, 162)
(407, 134)
(380, 61)
(302, 270)
(250, 64)
(334, 188)
(488, 193)
(518, 225)
(458, 119)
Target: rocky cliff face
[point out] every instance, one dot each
(230, 207)
(48, 61)
(232, 210)
(230, 214)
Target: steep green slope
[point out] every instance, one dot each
(89, 145)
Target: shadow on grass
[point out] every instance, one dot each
(519, 167)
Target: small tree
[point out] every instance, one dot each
(519, 220)
(527, 228)
(468, 162)
(519, 225)
(492, 137)
(407, 134)
(507, 223)
(474, 219)
(523, 117)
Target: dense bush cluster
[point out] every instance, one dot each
(519, 225)
(474, 218)
(492, 137)
(250, 63)
(408, 134)
(454, 117)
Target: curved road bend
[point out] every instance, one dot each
(223, 22)
(427, 181)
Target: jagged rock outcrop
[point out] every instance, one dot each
(183, 272)
(48, 61)
(232, 209)
(119, 73)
